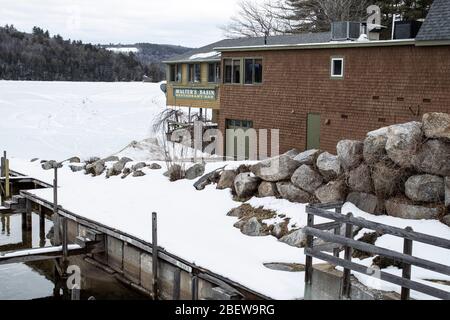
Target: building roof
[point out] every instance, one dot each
(208, 53)
(437, 24)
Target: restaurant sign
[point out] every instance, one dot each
(194, 93)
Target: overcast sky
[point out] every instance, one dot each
(191, 23)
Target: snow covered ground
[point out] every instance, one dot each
(58, 120)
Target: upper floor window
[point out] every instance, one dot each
(253, 71)
(214, 72)
(337, 67)
(194, 74)
(232, 71)
(175, 73)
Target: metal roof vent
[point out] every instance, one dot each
(345, 30)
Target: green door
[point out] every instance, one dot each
(313, 134)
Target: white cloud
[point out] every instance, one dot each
(190, 23)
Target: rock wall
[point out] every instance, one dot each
(402, 171)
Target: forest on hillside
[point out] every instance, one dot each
(42, 57)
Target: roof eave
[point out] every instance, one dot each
(191, 61)
(423, 43)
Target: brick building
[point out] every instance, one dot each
(318, 91)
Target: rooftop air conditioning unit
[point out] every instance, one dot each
(345, 30)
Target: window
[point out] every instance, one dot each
(214, 72)
(337, 67)
(194, 73)
(253, 71)
(232, 71)
(175, 73)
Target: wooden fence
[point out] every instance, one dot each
(336, 241)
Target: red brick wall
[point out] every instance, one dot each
(380, 86)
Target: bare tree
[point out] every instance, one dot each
(255, 20)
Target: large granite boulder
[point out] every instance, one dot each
(403, 141)
(329, 166)
(289, 191)
(360, 179)
(275, 169)
(367, 202)
(404, 208)
(308, 157)
(436, 125)
(197, 170)
(138, 166)
(388, 180)
(254, 228)
(292, 153)
(334, 191)
(267, 189)
(296, 238)
(350, 153)
(226, 180)
(433, 158)
(307, 178)
(375, 146)
(246, 185)
(425, 188)
(96, 168)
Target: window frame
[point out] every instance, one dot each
(178, 71)
(192, 73)
(332, 69)
(253, 83)
(217, 72)
(241, 77)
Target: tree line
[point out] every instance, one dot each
(39, 56)
(273, 17)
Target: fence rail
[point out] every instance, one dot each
(338, 241)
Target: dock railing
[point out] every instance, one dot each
(337, 241)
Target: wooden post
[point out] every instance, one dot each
(42, 229)
(176, 285)
(407, 249)
(346, 284)
(194, 288)
(65, 241)
(309, 245)
(155, 254)
(7, 187)
(337, 231)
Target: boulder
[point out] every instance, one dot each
(34, 159)
(446, 220)
(75, 168)
(126, 173)
(47, 165)
(350, 153)
(239, 212)
(296, 238)
(96, 168)
(195, 171)
(246, 185)
(375, 146)
(275, 169)
(334, 191)
(207, 179)
(307, 179)
(447, 192)
(138, 173)
(74, 160)
(138, 166)
(254, 228)
(401, 207)
(110, 159)
(425, 188)
(125, 159)
(267, 189)
(289, 191)
(329, 166)
(367, 202)
(226, 180)
(155, 166)
(116, 169)
(292, 153)
(403, 141)
(388, 179)
(308, 157)
(433, 158)
(436, 125)
(360, 179)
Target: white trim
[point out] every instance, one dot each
(333, 59)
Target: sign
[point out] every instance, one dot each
(194, 93)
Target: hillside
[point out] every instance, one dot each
(39, 56)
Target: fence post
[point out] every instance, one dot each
(56, 220)
(194, 288)
(407, 249)
(155, 254)
(7, 187)
(337, 231)
(176, 285)
(346, 284)
(309, 245)
(2, 171)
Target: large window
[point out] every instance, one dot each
(175, 73)
(195, 73)
(253, 71)
(337, 67)
(232, 71)
(214, 72)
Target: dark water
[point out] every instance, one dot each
(36, 280)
